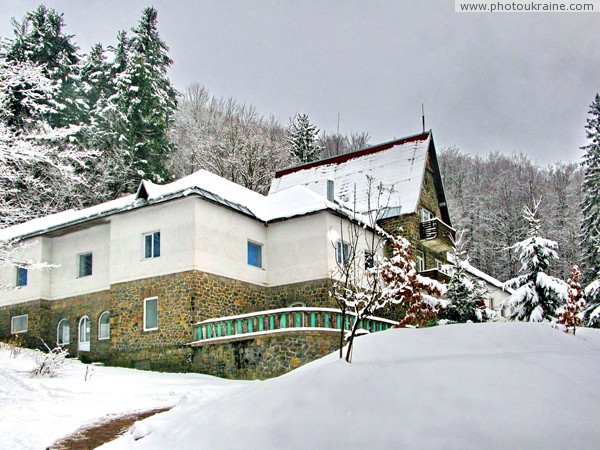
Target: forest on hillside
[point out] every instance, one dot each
(78, 129)
(487, 194)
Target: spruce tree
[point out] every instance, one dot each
(537, 295)
(466, 296)
(40, 39)
(302, 138)
(153, 99)
(590, 206)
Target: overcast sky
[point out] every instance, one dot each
(507, 82)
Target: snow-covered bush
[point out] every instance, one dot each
(537, 295)
(51, 363)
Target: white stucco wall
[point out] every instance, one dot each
(339, 229)
(221, 243)
(298, 250)
(194, 234)
(38, 281)
(65, 251)
(174, 220)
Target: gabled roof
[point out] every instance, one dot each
(295, 201)
(399, 164)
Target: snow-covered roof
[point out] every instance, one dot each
(399, 164)
(481, 275)
(295, 201)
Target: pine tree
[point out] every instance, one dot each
(466, 296)
(41, 40)
(302, 138)
(537, 295)
(403, 285)
(569, 314)
(590, 206)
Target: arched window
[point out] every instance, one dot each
(104, 326)
(63, 332)
(84, 334)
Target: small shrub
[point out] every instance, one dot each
(14, 344)
(51, 363)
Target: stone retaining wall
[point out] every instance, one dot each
(264, 356)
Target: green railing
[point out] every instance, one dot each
(284, 320)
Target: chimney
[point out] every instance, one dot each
(330, 190)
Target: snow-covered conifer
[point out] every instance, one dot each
(40, 39)
(466, 296)
(590, 206)
(302, 139)
(592, 312)
(537, 295)
(40, 166)
(569, 314)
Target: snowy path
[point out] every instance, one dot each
(36, 412)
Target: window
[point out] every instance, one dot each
(104, 326)
(85, 265)
(21, 276)
(420, 261)
(342, 253)
(369, 262)
(152, 245)
(84, 334)
(254, 254)
(151, 314)
(63, 332)
(426, 215)
(18, 324)
(439, 264)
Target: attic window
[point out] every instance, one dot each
(142, 192)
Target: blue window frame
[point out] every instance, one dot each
(21, 276)
(254, 254)
(343, 253)
(85, 265)
(152, 245)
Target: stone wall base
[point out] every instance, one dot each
(264, 356)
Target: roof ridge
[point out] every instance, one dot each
(355, 154)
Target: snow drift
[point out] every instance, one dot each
(493, 386)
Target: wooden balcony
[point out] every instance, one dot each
(436, 274)
(436, 235)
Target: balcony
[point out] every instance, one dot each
(285, 320)
(436, 274)
(436, 235)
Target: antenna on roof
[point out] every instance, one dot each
(423, 116)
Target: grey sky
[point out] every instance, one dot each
(507, 82)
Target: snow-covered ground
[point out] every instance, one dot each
(477, 386)
(35, 412)
(491, 385)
